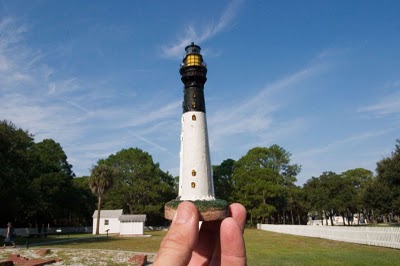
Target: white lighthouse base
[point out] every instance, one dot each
(195, 175)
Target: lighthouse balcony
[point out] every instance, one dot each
(193, 72)
(200, 64)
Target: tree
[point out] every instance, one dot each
(141, 186)
(36, 182)
(346, 198)
(388, 177)
(377, 198)
(15, 164)
(295, 205)
(51, 187)
(259, 179)
(84, 202)
(222, 175)
(51, 201)
(317, 197)
(100, 180)
(359, 178)
(331, 194)
(50, 157)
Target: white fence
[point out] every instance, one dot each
(373, 236)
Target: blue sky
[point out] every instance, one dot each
(319, 78)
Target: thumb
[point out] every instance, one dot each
(177, 246)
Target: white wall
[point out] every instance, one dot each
(113, 225)
(131, 228)
(374, 236)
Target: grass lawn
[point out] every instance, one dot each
(89, 241)
(268, 248)
(263, 248)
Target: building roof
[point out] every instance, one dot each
(108, 213)
(133, 218)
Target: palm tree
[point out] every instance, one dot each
(100, 180)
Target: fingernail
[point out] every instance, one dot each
(183, 215)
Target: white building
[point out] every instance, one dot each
(117, 223)
(109, 220)
(132, 224)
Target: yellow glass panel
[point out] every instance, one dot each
(193, 60)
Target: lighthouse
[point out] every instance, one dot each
(195, 178)
(195, 175)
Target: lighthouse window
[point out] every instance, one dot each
(193, 173)
(193, 117)
(194, 95)
(193, 105)
(193, 60)
(193, 184)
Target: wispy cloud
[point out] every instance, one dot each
(152, 143)
(12, 54)
(63, 87)
(387, 105)
(11, 33)
(256, 115)
(74, 111)
(332, 52)
(352, 140)
(27, 92)
(197, 35)
(154, 115)
(342, 154)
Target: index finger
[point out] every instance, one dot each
(238, 212)
(176, 247)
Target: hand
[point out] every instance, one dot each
(217, 243)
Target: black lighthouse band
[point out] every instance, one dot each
(193, 75)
